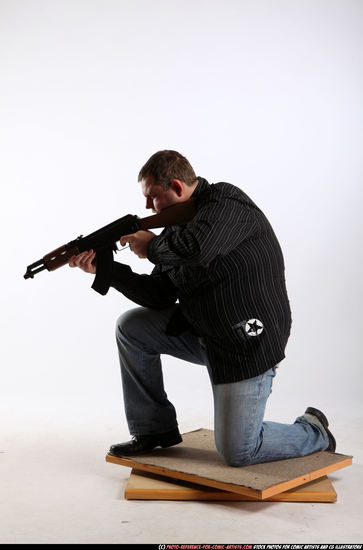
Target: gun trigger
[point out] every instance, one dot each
(117, 249)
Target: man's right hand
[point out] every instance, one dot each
(85, 261)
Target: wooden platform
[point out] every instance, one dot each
(145, 486)
(197, 461)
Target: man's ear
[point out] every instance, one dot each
(177, 186)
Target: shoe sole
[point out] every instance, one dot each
(324, 421)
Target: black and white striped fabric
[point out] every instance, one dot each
(226, 268)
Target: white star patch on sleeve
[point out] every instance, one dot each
(253, 327)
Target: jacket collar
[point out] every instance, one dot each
(202, 186)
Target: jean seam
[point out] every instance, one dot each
(257, 400)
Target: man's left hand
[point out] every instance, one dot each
(138, 242)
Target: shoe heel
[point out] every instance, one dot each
(171, 442)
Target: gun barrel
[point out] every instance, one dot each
(34, 268)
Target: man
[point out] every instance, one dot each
(226, 269)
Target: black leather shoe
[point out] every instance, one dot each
(141, 444)
(324, 421)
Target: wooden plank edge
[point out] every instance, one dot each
(186, 477)
(320, 490)
(293, 496)
(231, 487)
(140, 494)
(286, 485)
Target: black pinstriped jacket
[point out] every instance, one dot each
(227, 270)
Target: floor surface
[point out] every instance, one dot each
(57, 488)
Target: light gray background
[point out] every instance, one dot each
(266, 95)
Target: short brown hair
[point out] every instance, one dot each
(167, 165)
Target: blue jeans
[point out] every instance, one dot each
(241, 435)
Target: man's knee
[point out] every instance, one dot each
(126, 323)
(234, 455)
(131, 336)
(142, 322)
(236, 459)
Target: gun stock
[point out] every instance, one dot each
(178, 214)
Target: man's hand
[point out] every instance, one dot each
(85, 261)
(138, 242)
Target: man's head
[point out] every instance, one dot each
(167, 178)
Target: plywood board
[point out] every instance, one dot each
(197, 461)
(145, 486)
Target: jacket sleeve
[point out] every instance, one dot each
(217, 228)
(154, 291)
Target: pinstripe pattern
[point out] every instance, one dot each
(228, 268)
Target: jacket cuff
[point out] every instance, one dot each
(151, 251)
